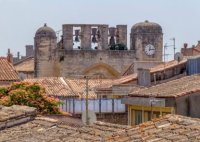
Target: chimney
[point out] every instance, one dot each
(9, 57)
(193, 46)
(29, 50)
(185, 45)
(18, 55)
(199, 42)
(144, 77)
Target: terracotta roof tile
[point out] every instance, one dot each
(54, 86)
(68, 87)
(167, 128)
(164, 129)
(78, 86)
(7, 71)
(184, 86)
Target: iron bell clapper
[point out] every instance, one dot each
(94, 40)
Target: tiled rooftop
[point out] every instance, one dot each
(54, 86)
(78, 86)
(124, 79)
(7, 71)
(170, 128)
(133, 77)
(167, 65)
(159, 67)
(175, 88)
(42, 129)
(67, 87)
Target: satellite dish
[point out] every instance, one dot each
(178, 56)
(91, 117)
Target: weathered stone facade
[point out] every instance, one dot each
(143, 34)
(94, 56)
(45, 43)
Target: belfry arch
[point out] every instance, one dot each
(103, 70)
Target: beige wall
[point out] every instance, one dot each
(109, 63)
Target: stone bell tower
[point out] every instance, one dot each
(147, 41)
(45, 43)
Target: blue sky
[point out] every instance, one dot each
(19, 19)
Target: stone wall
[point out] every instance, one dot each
(44, 62)
(116, 118)
(182, 105)
(29, 50)
(108, 63)
(85, 30)
(142, 40)
(80, 62)
(193, 103)
(53, 61)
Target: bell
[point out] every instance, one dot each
(77, 35)
(77, 39)
(77, 32)
(94, 40)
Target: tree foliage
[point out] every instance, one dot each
(119, 46)
(29, 94)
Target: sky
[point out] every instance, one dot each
(19, 19)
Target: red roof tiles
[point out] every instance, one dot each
(67, 87)
(54, 86)
(7, 71)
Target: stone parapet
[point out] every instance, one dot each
(15, 115)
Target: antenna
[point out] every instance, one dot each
(174, 40)
(178, 56)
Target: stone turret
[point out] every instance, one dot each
(146, 39)
(45, 44)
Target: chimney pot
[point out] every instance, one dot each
(10, 57)
(18, 55)
(185, 45)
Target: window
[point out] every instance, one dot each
(138, 117)
(147, 116)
